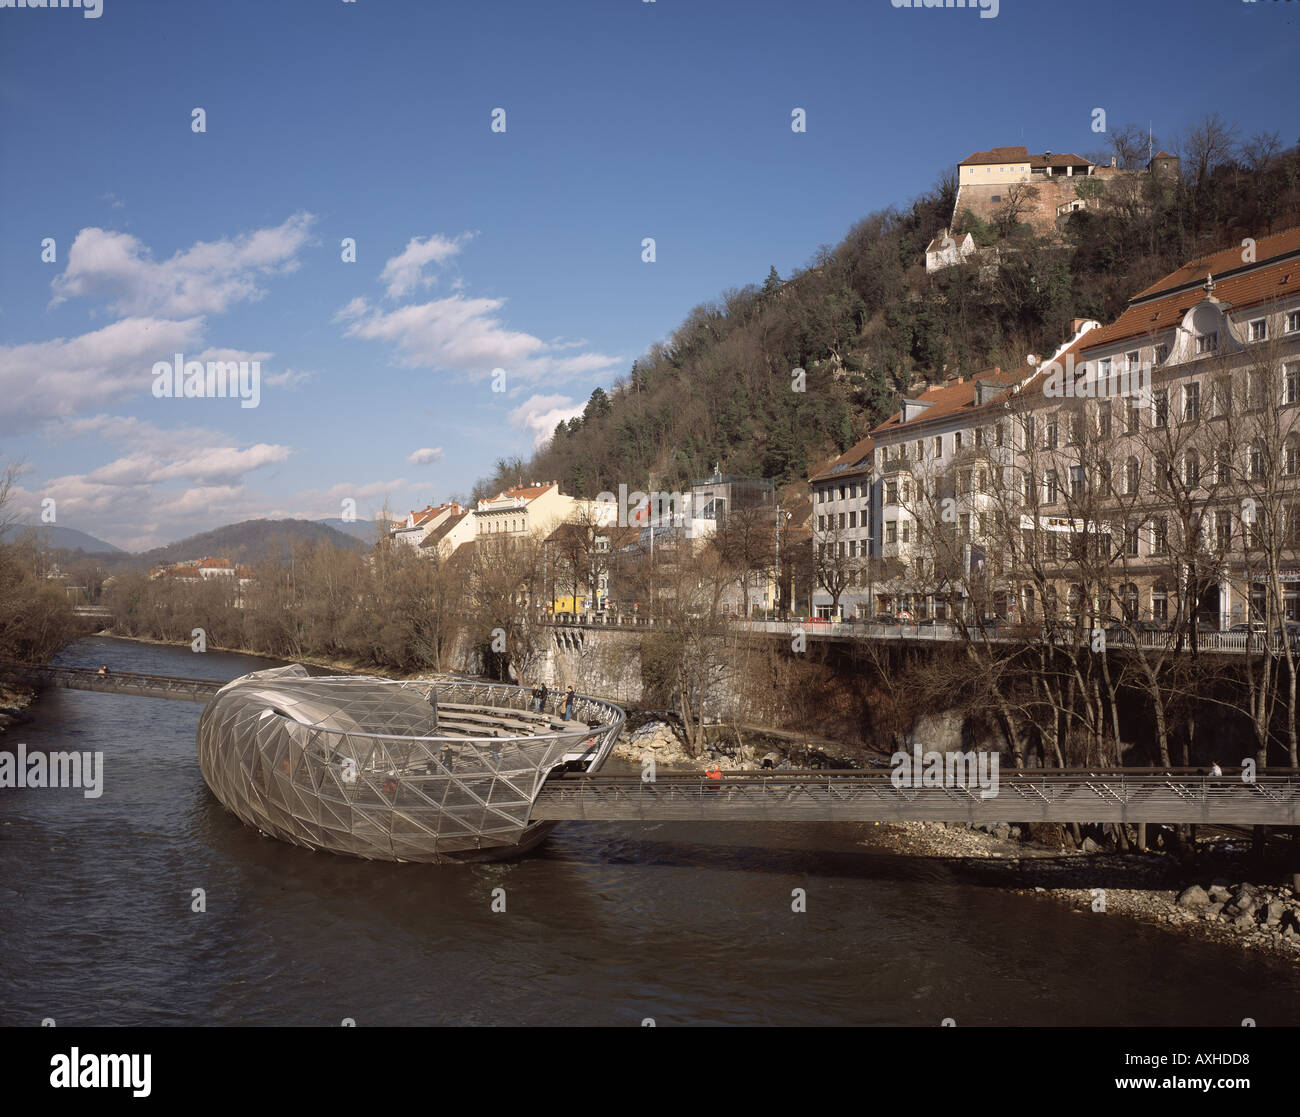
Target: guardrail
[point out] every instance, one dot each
(1037, 796)
(115, 682)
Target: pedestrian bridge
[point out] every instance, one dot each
(1039, 795)
(1129, 795)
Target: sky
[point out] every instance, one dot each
(484, 240)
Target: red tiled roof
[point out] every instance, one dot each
(1018, 154)
(856, 459)
(1259, 284)
(1058, 159)
(1226, 260)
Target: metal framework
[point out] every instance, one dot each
(118, 682)
(1128, 795)
(393, 771)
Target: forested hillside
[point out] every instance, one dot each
(864, 320)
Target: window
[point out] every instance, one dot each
(1029, 431)
(979, 436)
(999, 434)
(1293, 321)
(853, 519)
(1161, 468)
(853, 492)
(1191, 469)
(1291, 455)
(1291, 384)
(1052, 486)
(1223, 464)
(919, 451)
(842, 521)
(1131, 540)
(1103, 419)
(938, 445)
(907, 531)
(907, 494)
(1160, 408)
(982, 482)
(1077, 484)
(1131, 477)
(963, 525)
(1028, 487)
(1259, 330)
(1160, 536)
(1103, 477)
(853, 548)
(891, 492)
(1191, 402)
(963, 481)
(956, 442)
(1161, 354)
(1133, 359)
(891, 532)
(1134, 420)
(1052, 435)
(1256, 460)
(1160, 601)
(1208, 343)
(1076, 430)
(1223, 530)
(1222, 398)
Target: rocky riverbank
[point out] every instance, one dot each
(1214, 899)
(14, 701)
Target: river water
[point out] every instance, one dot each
(605, 924)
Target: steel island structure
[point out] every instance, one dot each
(393, 771)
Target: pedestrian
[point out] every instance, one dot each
(542, 695)
(569, 699)
(537, 698)
(1215, 770)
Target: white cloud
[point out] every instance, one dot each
(68, 376)
(405, 271)
(289, 379)
(426, 456)
(206, 278)
(540, 414)
(463, 335)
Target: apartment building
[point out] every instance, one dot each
(1150, 463)
(842, 534)
(535, 509)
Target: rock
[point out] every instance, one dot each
(1089, 846)
(1219, 894)
(1194, 897)
(1214, 909)
(1245, 900)
(1275, 911)
(1001, 830)
(1211, 916)
(1243, 921)
(1015, 832)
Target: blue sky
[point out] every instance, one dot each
(476, 249)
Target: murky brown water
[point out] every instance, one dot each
(605, 924)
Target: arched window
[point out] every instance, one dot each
(1160, 601)
(1131, 472)
(1129, 601)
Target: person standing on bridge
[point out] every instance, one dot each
(1215, 770)
(542, 695)
(537, 698)
(569, 699)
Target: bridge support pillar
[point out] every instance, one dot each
(1142, 837)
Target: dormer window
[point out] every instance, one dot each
(1208, 342)
(1259, 330)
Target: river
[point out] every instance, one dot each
(606, 924)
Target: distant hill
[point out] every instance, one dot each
(252, 541)
(64, 538)
(365, 530)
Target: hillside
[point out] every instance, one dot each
(250, 541)
(56, 537)
(864, 321)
